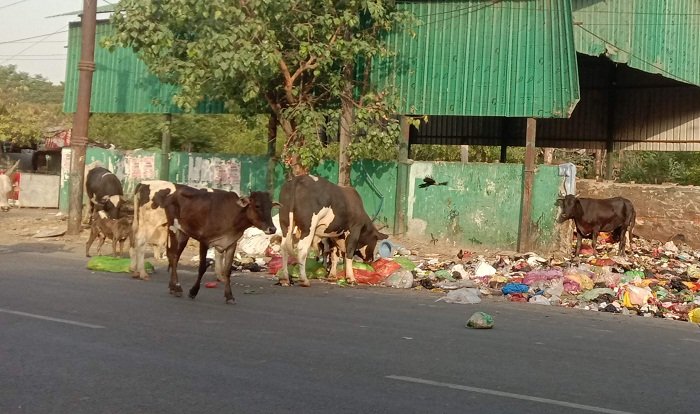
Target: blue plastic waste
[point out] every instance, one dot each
(514, 288)
(386, 248)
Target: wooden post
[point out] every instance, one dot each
(402, 177)
(165, 148)
(81, 117)
(525, 237)
(612, 106)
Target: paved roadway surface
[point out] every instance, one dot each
(74, 341)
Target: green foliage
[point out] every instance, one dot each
(660, 167)
(28, 105)
(196, 133)
(289, 57)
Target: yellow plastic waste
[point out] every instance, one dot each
(694, 315)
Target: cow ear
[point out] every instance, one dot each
(380, 235)
(243, 202)
(276, 204)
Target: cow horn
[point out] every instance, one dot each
(276, 204)
(243, 202)
(12, 169)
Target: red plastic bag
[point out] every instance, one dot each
(367, 277)
(385, 267)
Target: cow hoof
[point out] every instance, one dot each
(305, 283)
(283, 283)
(231, 301)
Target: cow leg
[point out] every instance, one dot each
(334, 255)
(219, 266)
(594, 240)
(579, 239)
(91, 239)
(350, 247)
(114, 246)
(175, 248)
(100, 242)
(226, 268)
(137, 253)
(203, 247)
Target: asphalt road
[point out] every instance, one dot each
(75, 341)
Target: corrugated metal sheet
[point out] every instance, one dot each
(121, 82)
(486, 58)
(656, 36)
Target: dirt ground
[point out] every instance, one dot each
(42, 227)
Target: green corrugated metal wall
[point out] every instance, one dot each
(121, 82)
(485, 58)
(656, 36)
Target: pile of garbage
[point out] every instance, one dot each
(656, 280)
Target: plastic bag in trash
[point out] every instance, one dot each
(511, 288)
(484, 269)
(464, 295)
(402, 279)
(480, 320)
(539, 300)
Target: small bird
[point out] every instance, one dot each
(433, 240)
(428, 181)
(460, 254)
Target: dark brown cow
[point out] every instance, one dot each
(215, 219)
(592, 216)
(313, 209)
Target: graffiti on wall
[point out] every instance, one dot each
(139, 168)
(214, 172)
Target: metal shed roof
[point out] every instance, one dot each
(656, 36)
(486, 58)
(121, 82)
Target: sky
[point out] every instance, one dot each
(45, 53)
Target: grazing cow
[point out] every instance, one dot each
(216, 219)
(6, 187)
(104, 191)
(117, 230)
(592, 216)
(313, 209)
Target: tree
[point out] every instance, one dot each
(303, 60)
(28, 105)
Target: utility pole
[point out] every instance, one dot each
(82, 115)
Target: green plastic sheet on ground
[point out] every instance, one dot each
(405, 262)
(114, 264)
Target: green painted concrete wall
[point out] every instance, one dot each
(480, 204)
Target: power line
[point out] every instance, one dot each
(474, 6)
(659, 68)
(468, 11)
(12, 4)
(32, 37)
(33, 44)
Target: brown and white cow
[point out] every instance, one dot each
(149, 224)
(215, 219)
(313, 208)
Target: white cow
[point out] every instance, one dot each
(6, 187)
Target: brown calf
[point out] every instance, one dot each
(116, 230)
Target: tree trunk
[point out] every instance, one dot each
(271, 151)
(599, 161)
(548, 156)
(464, 153)
(346, 117)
